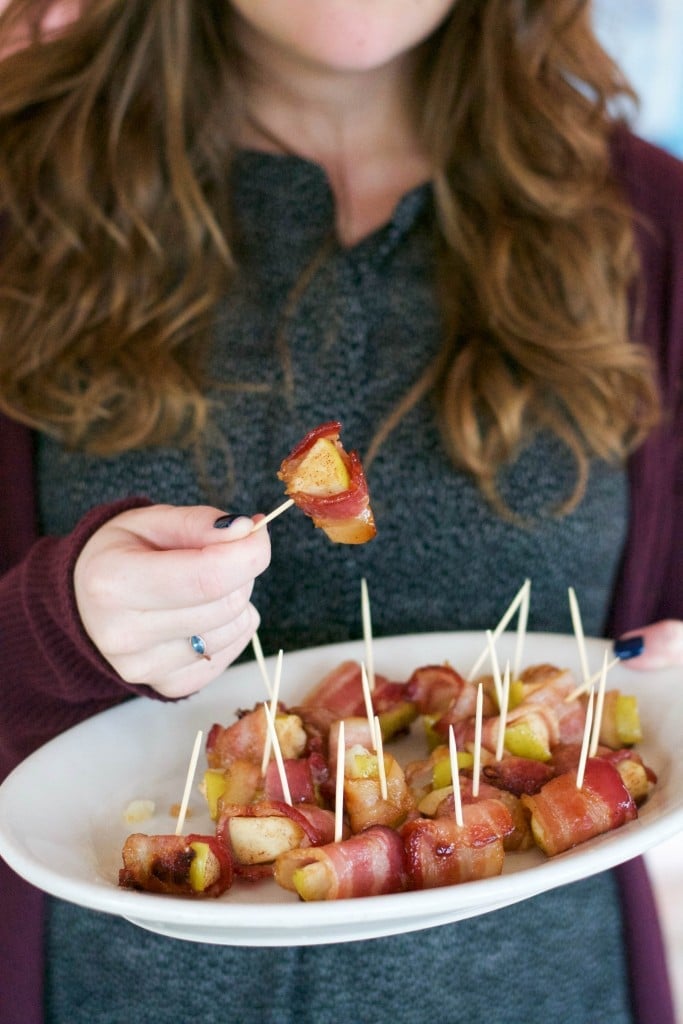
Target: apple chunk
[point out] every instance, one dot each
(205, 868)
(322, 471)
(260, 840)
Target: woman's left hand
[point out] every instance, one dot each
(662, 645)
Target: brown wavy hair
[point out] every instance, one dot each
(116, 137)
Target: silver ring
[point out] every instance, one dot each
(198, 645)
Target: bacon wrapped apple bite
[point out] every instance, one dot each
(328, 484)
(368, 864)
(332, 815)
(172, 865)
(439, 851)
(256, 834)
(564, 815)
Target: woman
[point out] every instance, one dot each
(225, 223)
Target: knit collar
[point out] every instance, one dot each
(284, 209)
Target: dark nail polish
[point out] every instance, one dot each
(227, 520)
(629, 647)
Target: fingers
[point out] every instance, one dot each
(127, 640)
(174, 527)
(175, 670)
(140, 601)
(130, 629)
(132, 557)
(662, 646)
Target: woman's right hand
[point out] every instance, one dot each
(152, 577)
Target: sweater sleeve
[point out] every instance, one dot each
(650, 583)
(52, 674)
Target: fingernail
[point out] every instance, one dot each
(223, 522)
(629, 647)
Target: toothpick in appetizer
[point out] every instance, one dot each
(381, 767)
(273, 709)
(578, 632)
(328, 484)
(275, 744)
(177, 865)
(500, 740)
(188, 784)
(586, 740)
(455, 776)
(521, 597)
(367, 632)
(522, 620)
(339, 786)
(367, 697)
(476, 766)
(599, 706)
(261, 662)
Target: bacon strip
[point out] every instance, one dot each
(516, 836)
(518, 774)
(563, 816)
(539, 720)
(315, 824)
(363, 800)
(162, 864)
(548, 686)
(357, 732)
(346, 516)
(368, 864)
(341, 691)
(243, 740)
(441, 852)
(437, 689)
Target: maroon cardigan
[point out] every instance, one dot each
(53, 677)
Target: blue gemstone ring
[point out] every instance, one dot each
(198, 645)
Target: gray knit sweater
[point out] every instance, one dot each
(349, 347)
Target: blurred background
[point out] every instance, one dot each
(646, 39)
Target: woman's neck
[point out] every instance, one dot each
(358, 127)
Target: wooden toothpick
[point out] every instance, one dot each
(578, 632)
(379, 747)
(512, 608)
(502, 718)
(275, 743)
(522, 620)
(261, 662)
(595, 678)
(495, 667)
(367, 632)
(455, 777)
(273, 515)
(273, 711)
(477, 740)
(599, 704)
(367, 697)
(180, 824)
(586, 738)
(339, 789)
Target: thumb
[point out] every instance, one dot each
(178, 528)
(662, 646)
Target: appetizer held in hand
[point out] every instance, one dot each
(328, 484)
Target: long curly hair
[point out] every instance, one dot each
(116, 136)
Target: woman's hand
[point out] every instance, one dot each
(153, 577)
(662, 645)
